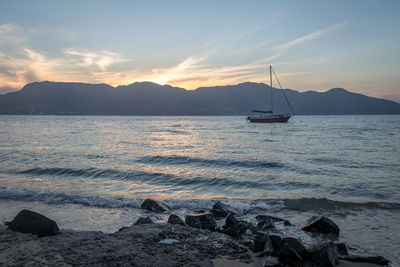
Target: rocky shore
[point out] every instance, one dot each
(32, 239)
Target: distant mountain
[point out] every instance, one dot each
(146, 98)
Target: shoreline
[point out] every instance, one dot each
(156, 244)
(33, 239)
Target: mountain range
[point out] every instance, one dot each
(146, 98)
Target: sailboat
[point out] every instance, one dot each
(268, 116)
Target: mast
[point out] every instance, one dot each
(270, 79)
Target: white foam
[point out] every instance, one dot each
(197, 204)
(240, 206)
(63, 198)
(269, 206)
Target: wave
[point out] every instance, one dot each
(159, 179)
(63, 198)
(304, 204)
(241, 206)
(183, 160)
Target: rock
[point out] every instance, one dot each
(271, 261)
(234, 227)
(143, 220)
(368, 259)
(174, 219)
(287, 255)
(261, 242)
(342, 249)
(297, 245)
(220, 210)
(3, 228)
(324, 255)
(321, 225)
(245, 242)
(277, 242)
(201, 221)
(265, 225)
(28, 221)
(153, 206)
(124, 228)
(273, 219)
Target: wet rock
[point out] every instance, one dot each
(28, 221)
(235, 227)
(321, 225)
(124, 228)
(324, 255)
(342, 249)
(273, 219)
(297, 245)
(368, 259)
(261, 242)
(153, 206)
(201, 221)
(287, 223)
(245, 242)
(287, 255)
(3, 228)
(174, 219)
(277, 242)
(266, 224)
(220, 210)
(271, 261)
(143, 220)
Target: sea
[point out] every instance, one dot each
(93, 172)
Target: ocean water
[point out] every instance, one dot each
(92, 173)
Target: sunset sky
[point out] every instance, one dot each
(313, 45)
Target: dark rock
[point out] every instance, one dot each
(123, 228)
(369, 259)
(265, 225)
(297, 245)
(153, 206)
(220, 210)
(261, 242)
(235, 227)
(246, 242)
(321, 225)
(273, 219)
(287, 223)
(201, 221)
(143, 220)
(287, 255)
(324, 255)
(28, 221)
(277, 242)
(174, 219)
(342, 249)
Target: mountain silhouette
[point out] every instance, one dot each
(146, 98)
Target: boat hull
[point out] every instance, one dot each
(272, 119)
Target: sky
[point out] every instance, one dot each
(312, 45)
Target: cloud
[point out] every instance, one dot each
(193, 72)
(7, 28)
(311, 36)
(27, 65)
(22, 64)
(102, 59)
(62, 34)
(11, 34)
(254, 30)
(164, 75)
